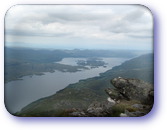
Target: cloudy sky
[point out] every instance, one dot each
(79, 26)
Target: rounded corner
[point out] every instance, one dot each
(147, 9)
(151, 111)
(7, 109)
(9, 9)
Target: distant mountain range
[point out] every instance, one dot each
(80, 95)
(21, 62)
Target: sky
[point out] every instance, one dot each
(79, 27)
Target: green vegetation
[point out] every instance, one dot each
(120, 107)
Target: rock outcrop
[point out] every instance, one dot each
(136, 97)
(128, 98)
(131, 89)
(96, 109)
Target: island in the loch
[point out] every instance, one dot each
(92, 62)
(21, 62)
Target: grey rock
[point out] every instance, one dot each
(114, 94)
(123, 115)
(138, 106)
(78, 114)
(135, 114)
(124, 94)
(131, 89)
(136, 96)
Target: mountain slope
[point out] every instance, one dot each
(80, 95)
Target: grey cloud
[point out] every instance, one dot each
(133, 16)
(72, 17)
(75, 18)
(138, 36)
(117, 26)
(29, 33)
(130, 23)
(62, 16)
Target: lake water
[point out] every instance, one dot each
(20, 93)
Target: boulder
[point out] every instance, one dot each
(131, 89)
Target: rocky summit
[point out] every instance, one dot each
(134, 95)
(131, 89)
(129, 98)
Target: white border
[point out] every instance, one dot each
(157, 121)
